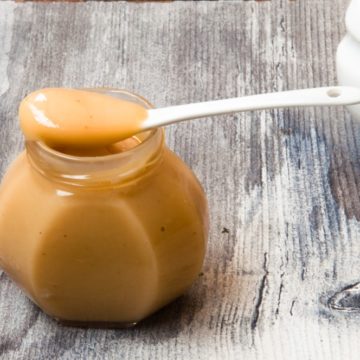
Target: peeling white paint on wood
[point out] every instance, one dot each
(283, 185)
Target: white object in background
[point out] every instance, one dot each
(348, 53)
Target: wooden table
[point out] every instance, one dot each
(283, 186)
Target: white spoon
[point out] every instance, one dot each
(80, 118)
(324, 96)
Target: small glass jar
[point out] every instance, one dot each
(104, 240)
(348, 53)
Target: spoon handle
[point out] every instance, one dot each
(324, 96)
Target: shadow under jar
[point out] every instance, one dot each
(102, 240)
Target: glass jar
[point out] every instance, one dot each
(104, 240)
(348, 53)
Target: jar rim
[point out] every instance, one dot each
(352, 19)
(92, 159)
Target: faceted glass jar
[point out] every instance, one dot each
(103, 240)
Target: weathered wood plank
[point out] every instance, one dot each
(282, 185)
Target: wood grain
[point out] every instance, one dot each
(283, 185)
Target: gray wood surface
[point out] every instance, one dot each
(283, 186)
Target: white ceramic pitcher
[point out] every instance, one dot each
(348, 53)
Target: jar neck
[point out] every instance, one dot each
(107, 171)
